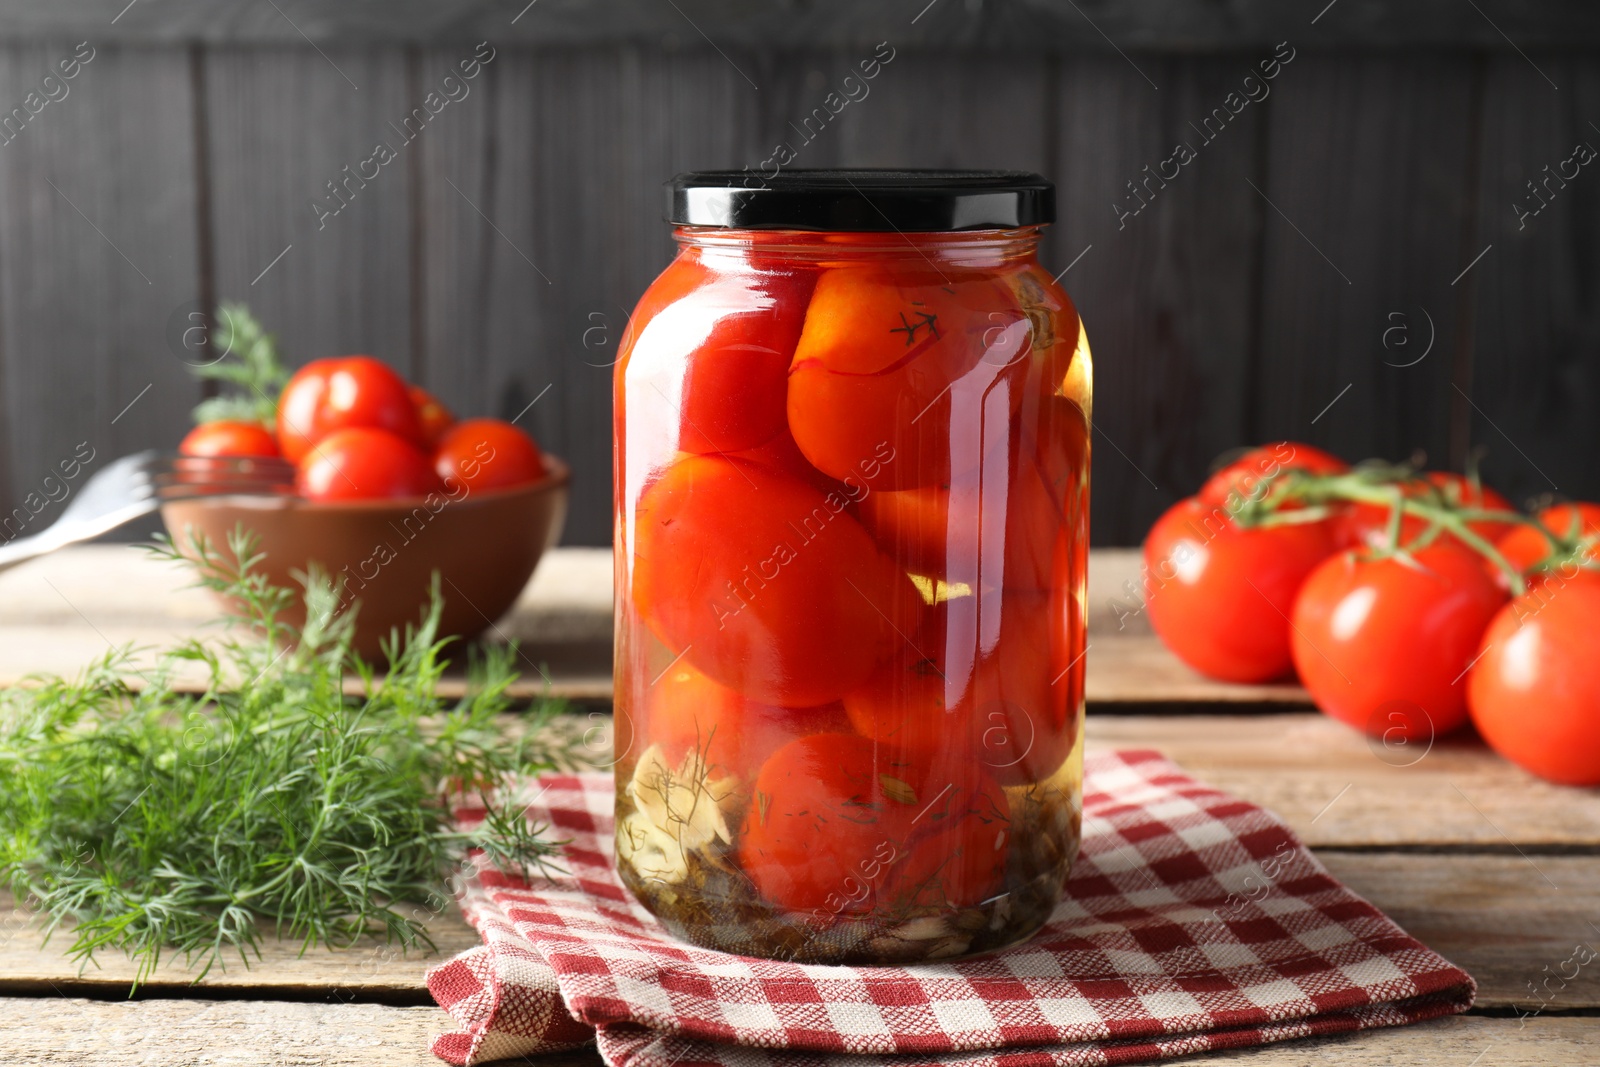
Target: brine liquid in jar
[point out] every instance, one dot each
(852, 458)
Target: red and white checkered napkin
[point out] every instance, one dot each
(1192, 921)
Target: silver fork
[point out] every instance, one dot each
(135, 486)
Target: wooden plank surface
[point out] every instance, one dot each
(91, 1034)
(60, 612)
(1167, 272)
(1494, 916)
(1535, 379)
(1055, 25)
(282, 123)
(1201, 306)
(542, 216)
(1498, 903)
(1363, 241)
(96, 257)
(87, 1033)
(1339, 789)
(374, 972)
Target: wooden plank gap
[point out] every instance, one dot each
(270, 989)
(205, 241)
(1250, 430)
(1466, 300)
(419, 238)
(1465, 848)
(1052, 114)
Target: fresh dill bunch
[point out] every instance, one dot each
(249, 363)
(273, 801)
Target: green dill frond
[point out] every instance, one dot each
(273, 803)
(247, 365)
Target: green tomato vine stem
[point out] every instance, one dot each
(1293, 495)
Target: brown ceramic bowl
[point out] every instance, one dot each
(483, 545)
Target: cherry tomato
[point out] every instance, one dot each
(1367, 525)
(487, 454)
(1525, 548)
(433, 416)
(762, 582)
(839, 827)
(1384, 645)
(332, 394)
(1219, 594)
(229, 438)
(927, 364)
(1535, 691)
(714, 346)
(1241, 479)
(1003, 702)
(364, 463)
(686, 711)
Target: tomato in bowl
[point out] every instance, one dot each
(383, 492)
(483, 545)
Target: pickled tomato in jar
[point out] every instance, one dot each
(851, 503)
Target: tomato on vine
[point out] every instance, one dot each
(1243, 478)
(1373, 633)
(1535, 691)
(1364, 524)
(1527, 547)
(1219, 594)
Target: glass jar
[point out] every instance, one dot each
(852, 490)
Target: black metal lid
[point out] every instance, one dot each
(862, 201)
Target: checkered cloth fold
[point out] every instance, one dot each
(1192, 921)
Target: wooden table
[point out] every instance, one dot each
(1496, 870)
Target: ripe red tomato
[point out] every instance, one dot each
(710, 348)
(1374, 635)
(685, 710)
(994, 693)
(1219, 595)
(331, 394)
(1002, 523)
(995, 526)
(838, 826)
(1535, 692)
(1524, 547)
(782, 454)
(433, 416)
(1367, 525)
(1240, 479)
(762, 582)
(229, 438)
(487, 454)
(890, 356)
(364, 463)
(913, 527)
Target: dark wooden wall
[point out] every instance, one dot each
(496, 258)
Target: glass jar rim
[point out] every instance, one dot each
(977, 248)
